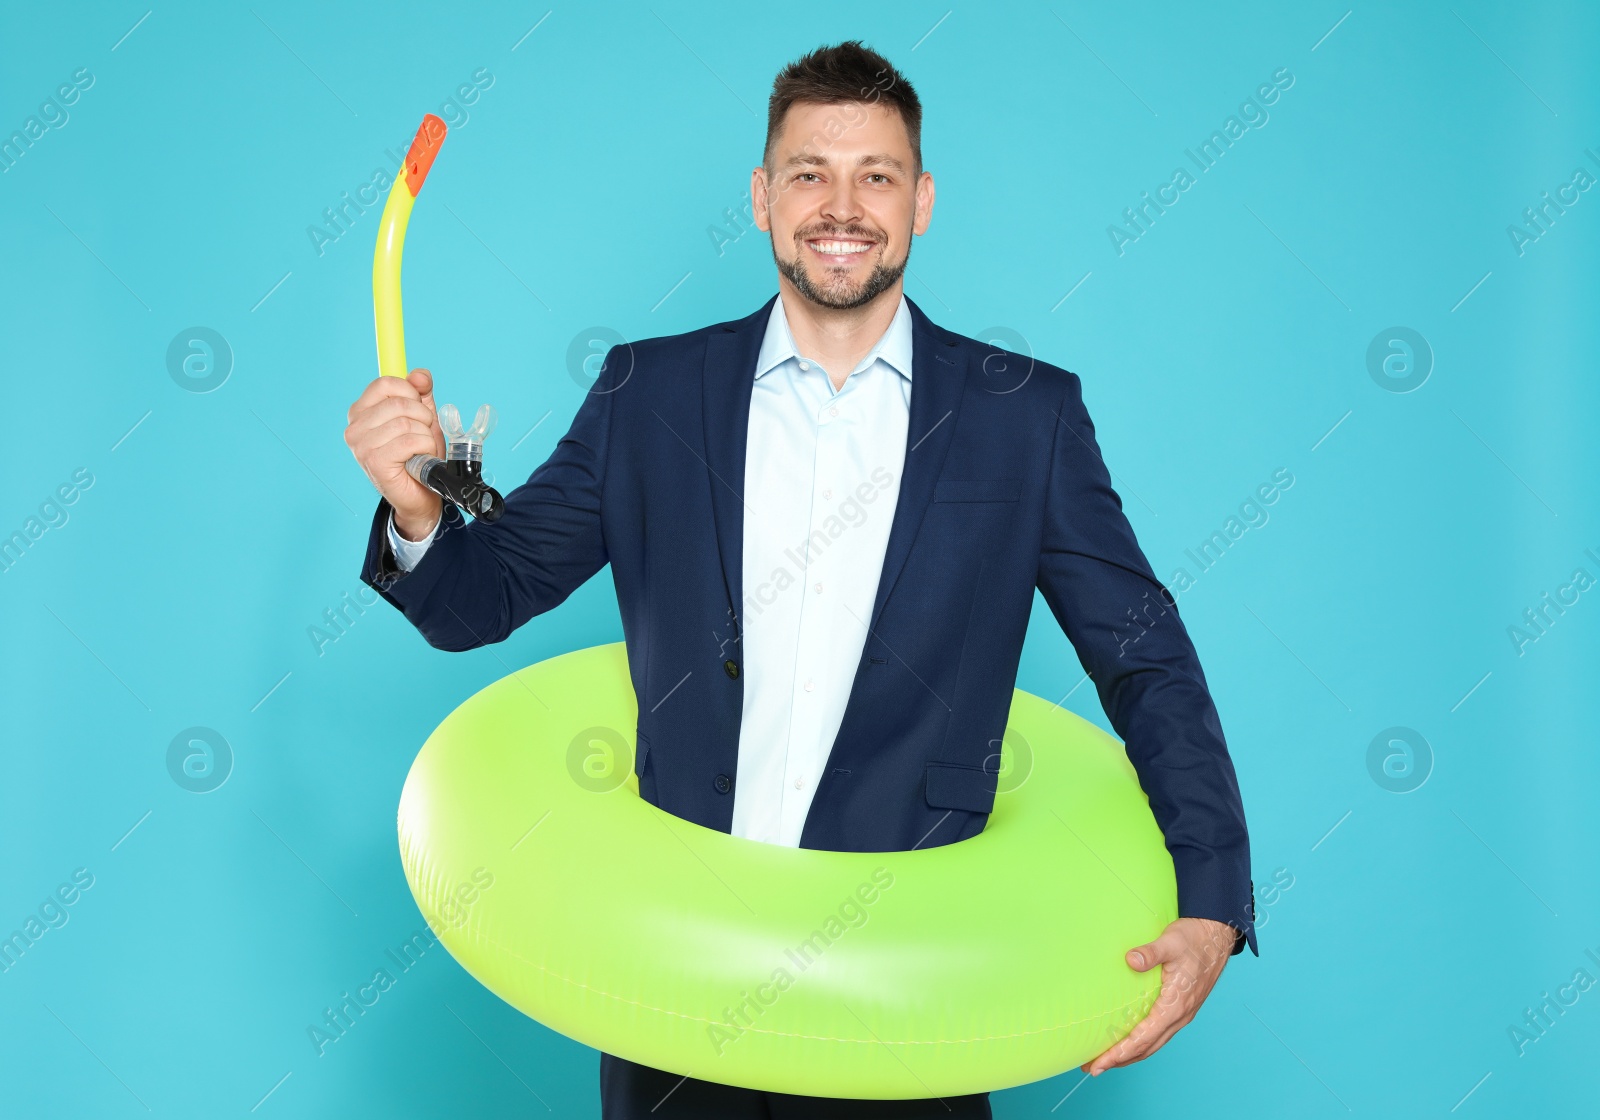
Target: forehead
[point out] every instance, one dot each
(840, 132)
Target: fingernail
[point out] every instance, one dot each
(1138, 959)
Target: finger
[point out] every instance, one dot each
(1142, 958)
(390, 407)
(364, 442)
(1119, 1055)
(380, 388)
(422, 381)
(1140, 1051)
(1103, 1060)
(370, 447)
(402, 447)
(380, 434)
(1162, 1019)
(358, 433)
(1086, 1066)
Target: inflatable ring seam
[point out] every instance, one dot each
(1110, 1013)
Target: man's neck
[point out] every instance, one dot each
(837, 338)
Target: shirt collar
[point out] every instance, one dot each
(777, 345)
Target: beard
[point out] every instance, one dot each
(836, 291)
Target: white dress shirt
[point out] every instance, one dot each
(822, 479)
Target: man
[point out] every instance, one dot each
(825, 522)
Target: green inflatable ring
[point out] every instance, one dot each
(969, 967)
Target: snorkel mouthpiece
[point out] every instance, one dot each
(458, 477)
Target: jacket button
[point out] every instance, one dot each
(721, 782)
(731, 668)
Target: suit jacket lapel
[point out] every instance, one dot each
(938, 378)
(726, 383)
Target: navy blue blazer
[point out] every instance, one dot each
(1003, 490)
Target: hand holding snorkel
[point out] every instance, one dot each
(393, 430)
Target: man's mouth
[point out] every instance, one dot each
(840, 250)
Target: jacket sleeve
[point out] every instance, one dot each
(478, 582)
(1125, 628)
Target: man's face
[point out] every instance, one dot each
(842, 199)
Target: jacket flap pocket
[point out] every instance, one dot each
(641, 751)
(977, 490)
(954, 786)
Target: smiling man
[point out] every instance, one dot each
(826, 522)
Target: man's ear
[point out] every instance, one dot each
(758, 199)
(924, 214)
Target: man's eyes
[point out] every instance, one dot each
(812, 176)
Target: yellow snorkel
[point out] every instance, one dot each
(457, 477)
(392, 242)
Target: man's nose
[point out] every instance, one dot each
(841, 206)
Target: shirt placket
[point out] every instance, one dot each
(816, 613)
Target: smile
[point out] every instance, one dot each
(842, 250)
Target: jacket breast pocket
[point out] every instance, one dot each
(952, 785)
(977, 490)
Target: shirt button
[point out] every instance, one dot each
(805, 365)
(833, 411)
(827, 493)
(811, 686)
(722, 783)
(731, 668)
(799, 783)
(819, 589)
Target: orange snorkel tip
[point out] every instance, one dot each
(386, 317)
(420, 157)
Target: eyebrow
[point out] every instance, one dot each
(877, 159)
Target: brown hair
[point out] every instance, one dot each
(850, 71)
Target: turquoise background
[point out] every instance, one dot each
(1231, 340)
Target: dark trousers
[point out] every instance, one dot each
(629, 1091)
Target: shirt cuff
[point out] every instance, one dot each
(408, 554)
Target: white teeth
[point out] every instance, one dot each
(840, 248)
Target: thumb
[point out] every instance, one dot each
(422, 381)
(1144, 957)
